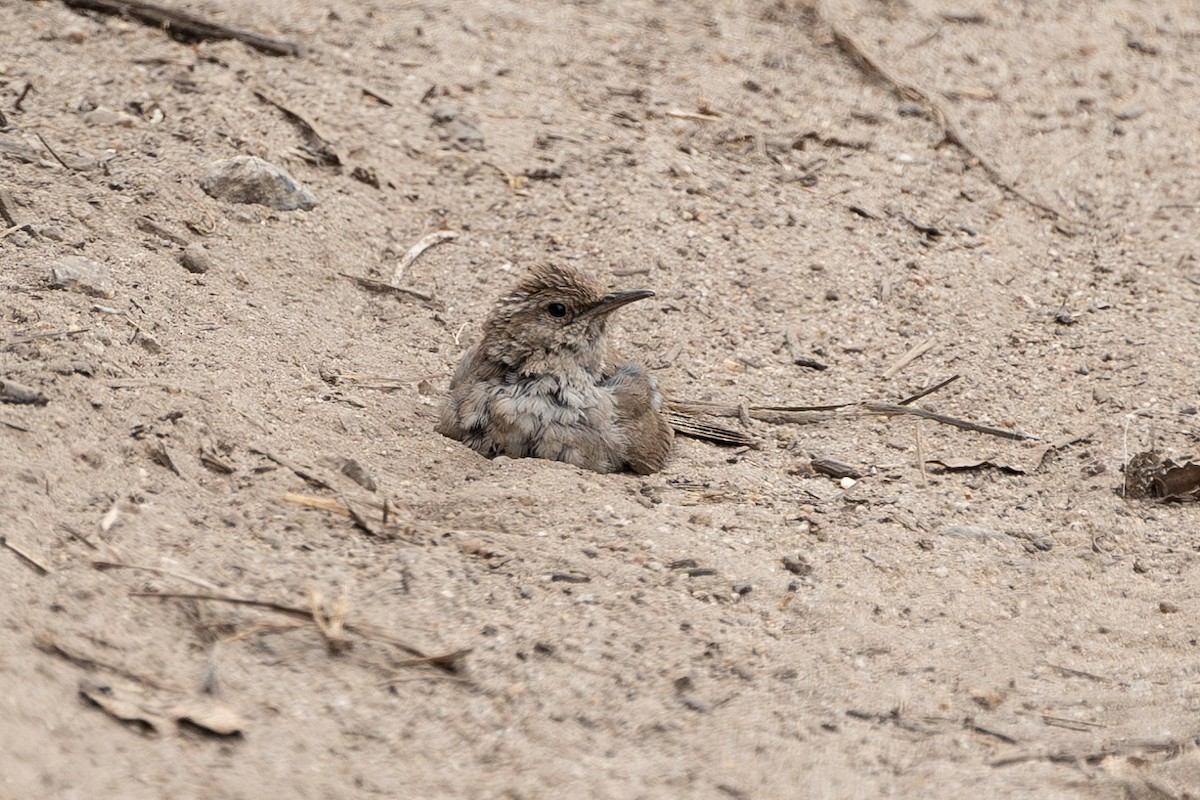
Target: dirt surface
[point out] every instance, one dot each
(735, 626)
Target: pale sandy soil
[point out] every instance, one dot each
(1016, 632)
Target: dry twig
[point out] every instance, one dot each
(872, 65)
(47, 643)
(424, 243)
(912, 355)
(103, 564)
(379, 287)
(447, 661)
(184, 25)
(319, 145)
(28, 559)
(891, 409)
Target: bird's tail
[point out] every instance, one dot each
(690, 425)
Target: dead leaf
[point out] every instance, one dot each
(210, 716)
(1150, 476)
(968, 463)
(122, 704)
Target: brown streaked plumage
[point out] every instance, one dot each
(543, 381)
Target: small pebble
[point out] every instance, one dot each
(797, 565)
(195, 259)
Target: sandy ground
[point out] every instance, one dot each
(735, 626)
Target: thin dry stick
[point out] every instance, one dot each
(331, 504)
(937, 387)
(1125, 456)
(304, 473)
(912, 355)
(46, 144)
(446, 661)
(318, 143)
(891, 409)
(424, 243)
(921, 454)
(809, 415)
(694, 116)
(1167, 748)
(21, 96)
(910, 91)
(380, 287)
(102, 564)
(47, 643)
(184, 24)
(16, 340)
(28, 559)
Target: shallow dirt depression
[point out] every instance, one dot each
(844, 203)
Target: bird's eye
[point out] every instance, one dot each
(557, 310)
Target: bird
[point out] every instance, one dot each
(543, 381)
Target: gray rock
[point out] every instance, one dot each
(195, 258)
(246, 179)
(79, 274)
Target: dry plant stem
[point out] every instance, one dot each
(102, 564)
(47, 643)
(693, 115)
(1166, 748)
(22, 95)
(185, 24)
(330, 504)
(11, 343)
(379, 287)
(810, 415)
(891, 409)
(937, 387)
(921, 454)
(873, 66)
(50, 149)
(304, 473)
(912, 355)
(424, 243)
(364, 630)
(28, 559)
(318, 143)
(337, 505)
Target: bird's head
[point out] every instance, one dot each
(553, 319)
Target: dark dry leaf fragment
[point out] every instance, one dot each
(1150, 476)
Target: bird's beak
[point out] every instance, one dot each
(613, 301)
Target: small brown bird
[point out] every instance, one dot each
(543, 381)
